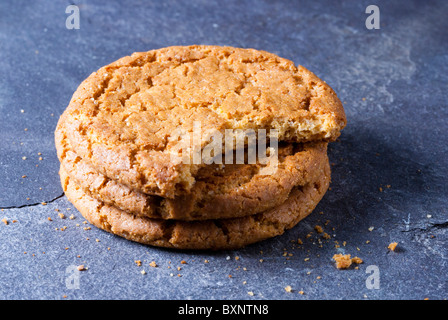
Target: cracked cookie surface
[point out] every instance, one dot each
(122, 117)
(208, 234)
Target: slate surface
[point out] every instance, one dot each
(393, 82)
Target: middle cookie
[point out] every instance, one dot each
(220, 191)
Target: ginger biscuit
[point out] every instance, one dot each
(211, 234)
(122, 118)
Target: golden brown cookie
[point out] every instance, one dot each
(208, 234)
(122, 117)
(220, 191)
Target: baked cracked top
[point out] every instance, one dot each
(122, 117)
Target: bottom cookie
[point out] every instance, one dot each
(214, 234)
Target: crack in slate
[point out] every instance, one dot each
(430, 227)
(33, 204)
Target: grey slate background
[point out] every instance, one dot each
(393, 82)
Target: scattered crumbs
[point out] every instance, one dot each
(288, 289)
(371, 229)
(72, 217)
(392, 246)
(153, 264)
(206, 261)
(326, 236)
(381, 189)
(261, 260)
(97, 240)
(64, 296)
(368, 241)
(143, 272)
(23, 158)
(5, 221)
(138, 262)
(318, 229)
(179, 268)
(183, 262)
(237, 258)
(81, 268)
(306, 259)
(250, 293)
(301, 292)
(87, 228)
(299, 241)
(24, 176)
(318, 277)
(244, 282)
(61, 215)
(43, 203)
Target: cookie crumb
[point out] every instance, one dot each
(153, 264)
(342, 261)
(318, 229)
(345, 261)
(392, 246)
(288, 289)
(357, 260)
(250, 293)
(81, 268)
(5, 221)
(138, 262)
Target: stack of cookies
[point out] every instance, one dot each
(150, 146)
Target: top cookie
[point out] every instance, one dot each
(122, 118)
